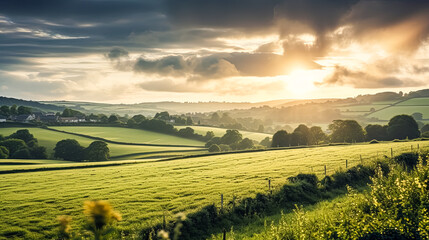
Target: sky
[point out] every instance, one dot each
(130, 51)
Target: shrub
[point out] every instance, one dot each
(407, 160)
(309, 178)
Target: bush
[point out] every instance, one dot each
(309, 178)
(214, 148)
(407, 160)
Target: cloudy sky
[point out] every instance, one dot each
(128, 51)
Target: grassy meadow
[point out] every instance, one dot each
(144, 192)
(219, 132)
(49, 138)
(130, 135)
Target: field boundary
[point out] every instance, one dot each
(121, 143)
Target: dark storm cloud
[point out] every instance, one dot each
(117, 53)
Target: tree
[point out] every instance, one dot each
(403, 126)
(70, 150)
(417, 116)
(215, 140)
(13, 110)
(113, 119)
(97, 151)
(215, 118)
(346, 131)
(38, 152)
(280, 139)
(261, 128)
(377, 132)
(209, 135)
(131, 123)
(425, 128)
(24, 135)
(22, 153)
(189, 121)
(266, 142)
(138, 118)
(13, 145)
(231, 137)
(4, 110)
(186, 132)
(246, 144)
(317, 135)
(4, 152)
(162, 116)
(301, 135)
(24, 110)
(214, 148)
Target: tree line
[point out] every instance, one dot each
(350, 131)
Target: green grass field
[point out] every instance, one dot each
(143, 192)
(49, 138)
(129, 135)
(390, 112)
(219, 132)
(415, 102)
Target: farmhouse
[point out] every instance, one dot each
(25, 118)
(3, 118)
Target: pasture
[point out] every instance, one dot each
(219, 132)
(144, 192)
(49, 138)
(130, 135)
(388, 113)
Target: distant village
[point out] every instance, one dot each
(24, 114)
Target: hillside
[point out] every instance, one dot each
(144, 192)
(37, 106)
(49, 138)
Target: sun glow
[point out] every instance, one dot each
(300, 82)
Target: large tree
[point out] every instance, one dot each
(97, 151)
(317, 135)
(301, 135)
(13, 145)
(280, 139)
(24, 135)
(231, 137)
(377, 132)
(403, 126)
(346, 131)
(70, 150)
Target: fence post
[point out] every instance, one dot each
(347, 163)
(221, 201)
(325, 170)
(411, 147)
(418, 147)
(269, 184)
(361, 161)
(391, 152)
